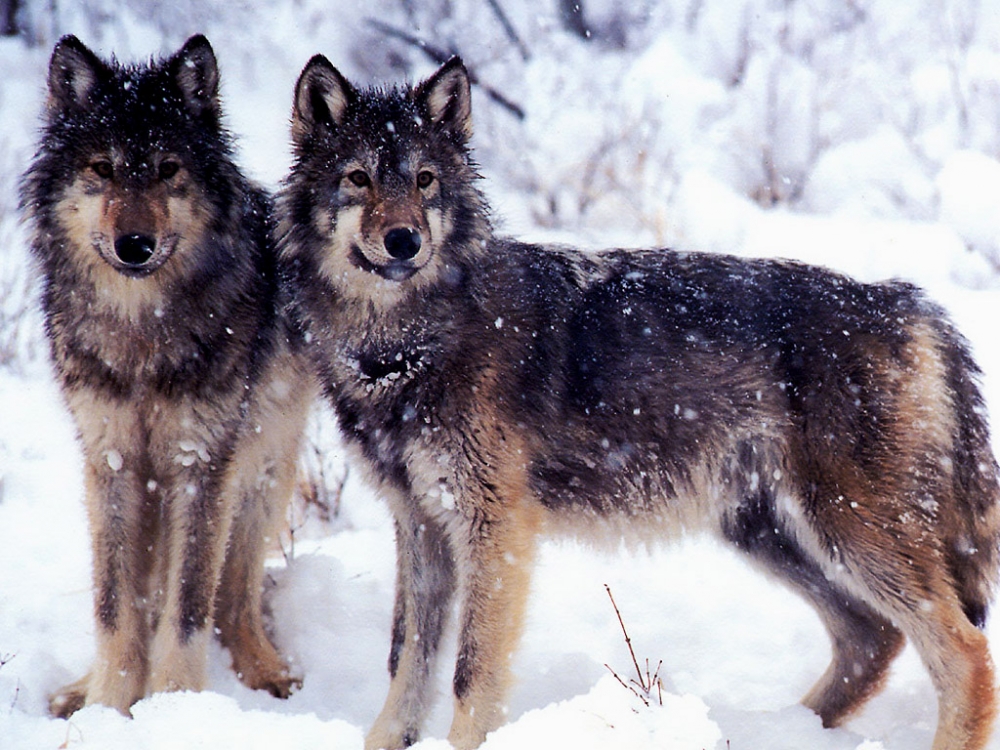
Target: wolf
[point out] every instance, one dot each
(830, 430)
(162, 310)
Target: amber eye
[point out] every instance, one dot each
(103, 169)
(424, 179)
(359, 178)
(168, 169)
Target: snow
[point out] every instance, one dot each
(968, 184)
(861, 136)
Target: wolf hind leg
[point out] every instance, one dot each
(260, 481)
(957, 656)
(899, 569)
(864, 642)
(955, 653)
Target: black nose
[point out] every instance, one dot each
(134, 249)
(402, 243)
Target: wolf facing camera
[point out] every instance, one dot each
(161, 306)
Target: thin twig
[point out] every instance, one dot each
(509, 28)
(628, 641)
(628, 687)
(643, 683)
(441, 56)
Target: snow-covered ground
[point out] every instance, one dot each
(872, 128)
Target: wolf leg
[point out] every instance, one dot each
(898, 568)
(910, 583)
(957, 656)
(864, 645)
(425, 586)
(261, 478)
(199, 527)
(193, 445)
(121, 528)
(863, 642)
(955, 652)
(239, 606)
(496, 573)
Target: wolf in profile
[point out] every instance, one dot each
(830, 430)
(161, 304)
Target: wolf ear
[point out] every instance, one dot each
(322, 96)
(73, 72)
(447, 98)
(196, 73)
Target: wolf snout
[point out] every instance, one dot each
(134, 249)
(402, 243)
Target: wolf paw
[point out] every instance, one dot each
(267, 671)
(390, 736)
(68, 700)
(283, 686)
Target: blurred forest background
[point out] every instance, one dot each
(595, 118)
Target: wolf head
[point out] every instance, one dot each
(383, 187)
(132, 158)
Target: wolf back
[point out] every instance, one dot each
(832, 431)
(161, 305)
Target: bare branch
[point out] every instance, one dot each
(509, 28)
(628, 687)
(644, 684)
(628, 641)
(441, 56)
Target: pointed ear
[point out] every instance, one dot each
(73, 72)
(196, 73)
(447, 98)
(322, 96)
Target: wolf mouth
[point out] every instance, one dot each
(395, 270)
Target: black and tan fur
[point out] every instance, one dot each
(160, 297)
(831, 430)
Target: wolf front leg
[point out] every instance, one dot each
(122, 529)
(260, 480)
(495, 571)
(193, 456)
(425, 585)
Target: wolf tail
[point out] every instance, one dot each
(973, 549)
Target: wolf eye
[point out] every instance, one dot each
(168, 169)
(103, 169)
(424, 179)
(359, 178)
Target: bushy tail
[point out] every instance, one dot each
(974, 549)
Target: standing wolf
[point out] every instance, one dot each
(160, 296)
(830, 430)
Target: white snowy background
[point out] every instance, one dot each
(858, 134)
